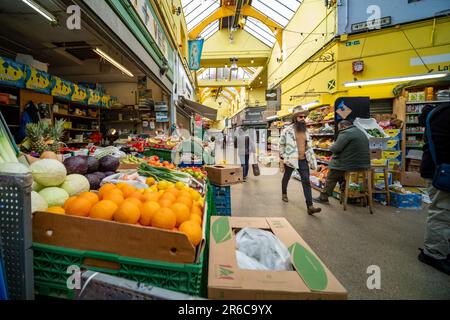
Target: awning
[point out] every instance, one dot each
(192, 107)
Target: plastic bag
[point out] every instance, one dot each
(264, 248)
(245, 262)
(132, 178)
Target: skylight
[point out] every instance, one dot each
(195, 11)
(259, 30)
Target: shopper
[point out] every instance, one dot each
(436, 249)
(296, 153)
(245, 145)
(350, 153)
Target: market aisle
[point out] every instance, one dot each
(350, 241)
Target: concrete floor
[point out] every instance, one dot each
(350, 241)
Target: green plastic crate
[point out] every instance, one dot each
(51, 263)
(164, 154)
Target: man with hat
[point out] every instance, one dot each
(296, 153)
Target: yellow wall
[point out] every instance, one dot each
(257, 95)
(311, 17)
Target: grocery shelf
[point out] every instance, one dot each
(414, 146)
(80, 130)
(428, 102)
(73, 116)
(414, 113)
(319, 122)
(412, 123)
(415, 132)
(322, 149)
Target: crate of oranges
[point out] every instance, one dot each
(148, 235)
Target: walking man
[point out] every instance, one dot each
(350, 152)
(296, 153)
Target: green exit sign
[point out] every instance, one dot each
(353, 43)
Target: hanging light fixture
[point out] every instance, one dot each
(395, 79)
(113, 62)
(39, 9)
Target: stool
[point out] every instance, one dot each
(386, 181)
(366, 193)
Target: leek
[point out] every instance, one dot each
(7, 146)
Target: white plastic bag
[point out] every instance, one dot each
(245, 262)
(132, 178)
(263, 247)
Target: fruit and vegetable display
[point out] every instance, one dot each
(196, 172)
(153, 161)
(162, 173)
(165, 205)
(319, 176)
(375, 133)
(163, 143)
(320, 114)
(43, 136)
(323, 143)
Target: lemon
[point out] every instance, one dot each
(180, 185)
(150, 181)
(195, 194)
(163, 185)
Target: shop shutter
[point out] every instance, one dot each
(381, 106)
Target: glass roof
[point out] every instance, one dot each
(280, 11)
(223, 74)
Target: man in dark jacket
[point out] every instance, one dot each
(350, 152)
(436, 246)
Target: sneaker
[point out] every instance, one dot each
(284, 197)
(442, 265)
(321, 199)
(312, 210)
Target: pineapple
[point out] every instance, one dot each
(56, 134)
(35, 134)
(43, 137)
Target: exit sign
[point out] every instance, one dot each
(353, 43)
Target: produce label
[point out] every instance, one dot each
(95, 98)
(61, 88)
(12, 73)
(309, 267)
(80, 94)
(38, 80)
(221, 230)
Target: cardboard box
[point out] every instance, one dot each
(412, 179)
(310, 278)
(116, 238)
(128, 166)
(392, 155)
(225, 175)
(394, 134)
(415, 162)
(412, 168)
(393, 145)
(379, 162)
(375, 153)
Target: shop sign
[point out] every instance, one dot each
(162, 117)
(195, 53)
(80, 94)
(38, 80)
(271, 95)
(353, 43)
(62, 88)
(12, 73)
(161, 107)
(95, 98)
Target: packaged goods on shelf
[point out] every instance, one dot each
(393, 145)
(394, 134)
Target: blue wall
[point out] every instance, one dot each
(400, 10)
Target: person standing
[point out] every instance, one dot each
(436, 251)
(296, 153)
(245, 147)
(350, 153)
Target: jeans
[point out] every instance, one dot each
(437, 233)
(333, 177)
(303, 170)
(245, 160)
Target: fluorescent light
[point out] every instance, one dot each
(47, 15)
(113, 62)
(395, 79)
(291, 110)
(271, 118)
(308, 105)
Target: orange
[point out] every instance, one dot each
(79, 207)
(192, 230)
(105, 188)
(57, 210)
(150, 181)
(173, 191)
(151, 196)
(68, 202)
(184, 193)
(164, 218)
(128, 190)
(135, 194)
(169, 196)
(196, 218)
(91, 196)
(128, 212)
(120, 185)
(181, 211)
(114, 195)
(197, 211)
(104, 210)
(137, 202)
(187, 201)
(148, 210)
(165, 203)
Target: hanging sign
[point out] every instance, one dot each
(12, 73)
(195, 53)
(95, 98)
(38, 80)
(61, 88)
(80, 94)
(162, 117)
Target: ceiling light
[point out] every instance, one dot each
(308, 105)
(47, 15)
(271, 118)
(226, 66)
(252, 61)
(113, 62)
(395, 79)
